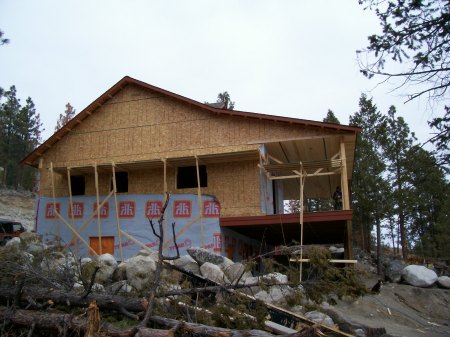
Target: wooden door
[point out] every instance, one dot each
(107, 244)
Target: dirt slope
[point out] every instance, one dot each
(17, 206)
(403, 310)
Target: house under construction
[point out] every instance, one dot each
(233, 177)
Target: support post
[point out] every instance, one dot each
(57, 232)
(302, 184)
(119, 232)
(344, 178)
(71, 209)
(99, 225)
(200, 203)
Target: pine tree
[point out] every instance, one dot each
(331, 118)
(369, 189)
(20, 130)
(396, 143)
(429, 191)
(63, 119)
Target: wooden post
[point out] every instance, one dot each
(200, 203)
(99, 225)
(344, 178)
(71, 209)
(57, 232)
(165, 224)
(302, 184)
(119, 232)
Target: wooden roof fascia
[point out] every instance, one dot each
(31, 158)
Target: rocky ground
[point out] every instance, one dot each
(403, 310)
(17, 206)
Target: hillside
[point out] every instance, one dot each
(401, 309)
(17, 206)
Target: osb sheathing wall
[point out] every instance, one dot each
(234, 184)
(137, 125)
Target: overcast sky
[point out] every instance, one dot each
(286, 58)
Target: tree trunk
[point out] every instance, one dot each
(61, 322)
(110, 302)
(378, 246)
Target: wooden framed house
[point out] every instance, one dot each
(231, 176)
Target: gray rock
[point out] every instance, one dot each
(30, 237)
(214, 273)
(107, 264)
(186, 262)
(149, 252)
(36, 248)
(120, 273)
(394, 269)
(139, 270)
(275, 278)
(444, 282)
(201, 256)
(236, 271)
(13, 243)
(360, 333)
(419, 276)
(319, 317)
(276, 294)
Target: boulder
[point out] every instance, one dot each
(36, 248)
(120, 273)
(107, 264)
(214, 273)
(419, 276)
(201, 256)
(394, 269)
(236, 271)
(443, 282)
(319, 317)
(186, 262)
(139, 271)
(275, 278)
(30, 237)
(13, 243)
(149, 252)
(276, 294)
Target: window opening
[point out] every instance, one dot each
(77, 185)
(121, 182)
(187, 177)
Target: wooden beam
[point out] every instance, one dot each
(114, 191)
(99, 225)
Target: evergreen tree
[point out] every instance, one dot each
(20, 130)
(416, 34)
(63, 119)
(396, 143)
(429, 191)
(369, 189)
(224, 97)
(331, 118)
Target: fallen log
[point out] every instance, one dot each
(206, 330)
(31, 295)
(61, 321)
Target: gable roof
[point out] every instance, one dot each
(31, 158)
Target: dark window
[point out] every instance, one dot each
(78, 185)
(187, 177)
(121, 182)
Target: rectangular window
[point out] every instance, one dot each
(187, 177)
(77, 185)
(121, 182)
